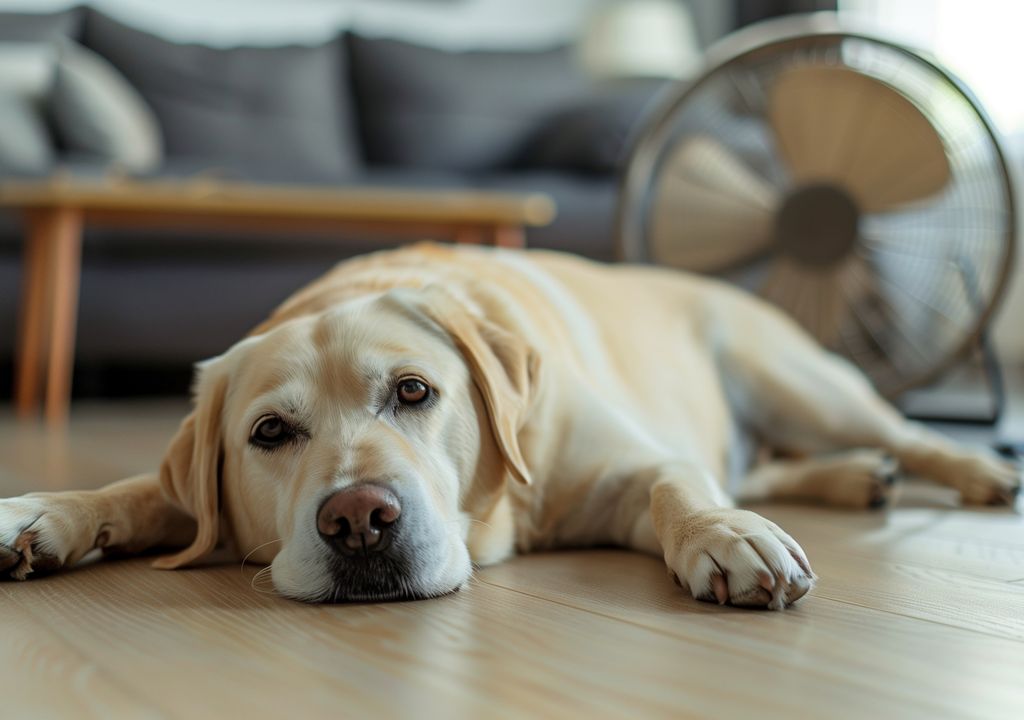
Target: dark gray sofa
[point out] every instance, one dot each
(353, 111)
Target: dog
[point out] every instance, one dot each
(419, 411)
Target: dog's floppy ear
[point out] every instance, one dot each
(190, 473)
(502, 366)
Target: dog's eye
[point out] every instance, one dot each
(270, 432)
(412, 391)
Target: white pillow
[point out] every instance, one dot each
(97, 112)
(26, 68)
(25, 145)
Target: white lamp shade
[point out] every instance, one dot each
(653, 38)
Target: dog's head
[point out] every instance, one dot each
(352, 447)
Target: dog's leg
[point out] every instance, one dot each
(852, 479)
(800, 398)
(719, 553)
(46, 531)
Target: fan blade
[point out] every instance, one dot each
(812, 297)
(710, 211)
(838, 126)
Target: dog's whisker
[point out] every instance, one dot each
(258, 547)
(260, 576)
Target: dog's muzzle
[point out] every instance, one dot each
(379, 544)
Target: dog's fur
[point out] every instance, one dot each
(575, 404)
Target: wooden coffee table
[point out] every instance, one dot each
(57, 211)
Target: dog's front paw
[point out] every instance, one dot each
(738, 557)
(30, 540)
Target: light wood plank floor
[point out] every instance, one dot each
(919, 613)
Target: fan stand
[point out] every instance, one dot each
(992, 373)
(932, 406)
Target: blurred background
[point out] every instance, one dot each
(520, 95)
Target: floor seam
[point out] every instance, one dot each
(922, 565)
(925, 620)
(638, 624)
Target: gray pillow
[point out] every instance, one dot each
(593, 137)
(25, 145)
(39, 27)
(269, 113)
(469, 111)
(97, 112)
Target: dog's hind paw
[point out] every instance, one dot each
(984, 480)
(866, 479)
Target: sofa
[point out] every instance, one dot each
(112, 98)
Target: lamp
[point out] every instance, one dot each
(650, 38)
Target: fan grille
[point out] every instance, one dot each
(710, 187)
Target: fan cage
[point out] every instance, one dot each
(744, 65)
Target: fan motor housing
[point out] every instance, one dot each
(817, 225)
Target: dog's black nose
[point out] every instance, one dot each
(358, 518)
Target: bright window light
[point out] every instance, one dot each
(979, 41)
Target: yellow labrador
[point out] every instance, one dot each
(418, 411)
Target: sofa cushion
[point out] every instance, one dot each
(467, 111)
(97, 112)
(277, 111)
(25, 144)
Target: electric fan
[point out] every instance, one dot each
(851, 181)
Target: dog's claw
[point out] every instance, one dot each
(721, 589)
(878, 501)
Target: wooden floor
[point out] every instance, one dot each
(919, 613)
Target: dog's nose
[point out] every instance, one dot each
(358, 517)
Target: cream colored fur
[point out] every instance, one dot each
(579, 404)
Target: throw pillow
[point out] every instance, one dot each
(25, 145)
(97, 112)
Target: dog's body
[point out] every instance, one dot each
(488, 402)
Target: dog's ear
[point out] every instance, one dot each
(501, 364)
(190, 472)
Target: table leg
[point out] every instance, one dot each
(66, 268)
(469, 235)
(32, 339)
(49, 310)
(509, 236)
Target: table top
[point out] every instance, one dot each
(217, 197)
